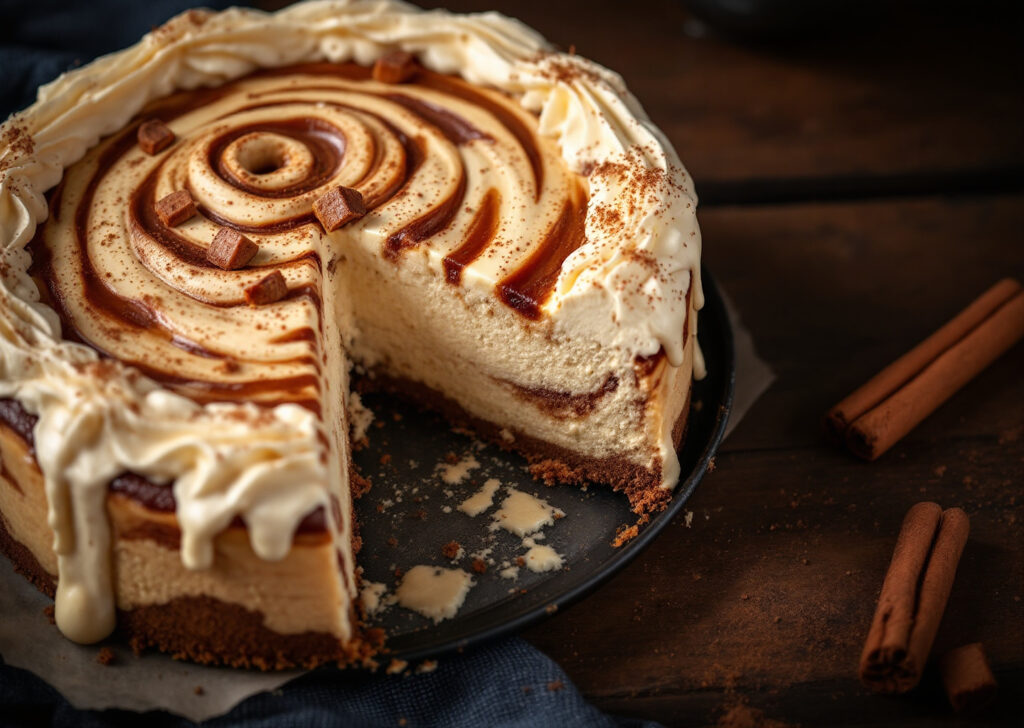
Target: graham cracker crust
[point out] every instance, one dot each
(209, 631)
(551, 464)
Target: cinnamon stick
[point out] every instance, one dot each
(967, 677)
(913, 598)
(875, 416)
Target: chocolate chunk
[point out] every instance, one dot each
(154, 136)
(175, 208)
(266, 290)
(394, 67)
(339, 206)
(231, 250)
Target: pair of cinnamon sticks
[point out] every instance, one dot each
(910, 608)
(920, 577)
(874, 417)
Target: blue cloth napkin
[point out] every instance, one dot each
(505, 683)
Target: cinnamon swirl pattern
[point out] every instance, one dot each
(444, 168)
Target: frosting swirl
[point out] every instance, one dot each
(457, 171)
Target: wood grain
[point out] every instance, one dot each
(771, 589)
(913, 98)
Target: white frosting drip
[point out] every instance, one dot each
(266, 466)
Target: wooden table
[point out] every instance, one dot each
(856, 191)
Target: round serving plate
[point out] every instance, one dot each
(410, 513)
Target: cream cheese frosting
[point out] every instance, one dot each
(626, 286)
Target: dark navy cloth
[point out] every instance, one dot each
(506, 683)
(40, 39)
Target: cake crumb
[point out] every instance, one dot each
(371, 596)
(625, 534)
(397, 666)
(434, 592)
(426, 666)
(50, 614)
(360, 418)
(482, 499)
(451, 549)
(555, 685)
(454, 473)
(711, 465)
(106, 656)
(385, 458)
(522, 513)
(479, 566)
(541, 558)
(198, 690)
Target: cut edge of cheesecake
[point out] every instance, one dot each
(242, 612)
(210, 616)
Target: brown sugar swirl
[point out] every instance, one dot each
(437, 166)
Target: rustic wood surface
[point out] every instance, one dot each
(857, 190)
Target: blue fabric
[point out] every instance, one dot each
(508, 683)
(40, 39)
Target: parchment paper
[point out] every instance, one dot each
(155, 681)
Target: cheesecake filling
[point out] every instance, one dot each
(533, 188)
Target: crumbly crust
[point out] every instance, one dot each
(205, 630)
(549, 463)
(209, 631)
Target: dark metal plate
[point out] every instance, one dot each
(407, 515)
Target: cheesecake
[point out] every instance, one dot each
(209, 239)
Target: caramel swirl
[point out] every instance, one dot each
(444, 167)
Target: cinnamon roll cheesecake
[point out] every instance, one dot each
(205, 235)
